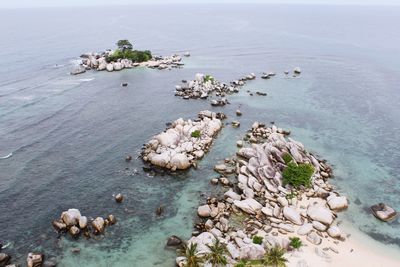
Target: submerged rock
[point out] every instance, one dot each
(174, 241)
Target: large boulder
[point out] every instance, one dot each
(383, 212)
(180, 161)
(334, 232)
(321, 214)
(202, 241)
(170, 137)
(98, 225)
(251, 252)
(71, 217)
(305, 229)
(4, 259)
(160, 160)
(110, 67)
(232, 195)
(337, 203)
(34, 260)
(83, 221)
(248, 205)
(204, 211)
(292, 215)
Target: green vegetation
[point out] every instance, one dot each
(257, 240)
(208, 78)
(190, 252)
(291, 195)
(125, 51)
(217, 254)
(287, 158)
(241, 263)
(275, 257)
(196, 134)
(124, 45)
(295, 242)
(298, 175)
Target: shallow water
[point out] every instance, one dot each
(69, 134)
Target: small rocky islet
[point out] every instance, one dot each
(125, 57)
(183, 142)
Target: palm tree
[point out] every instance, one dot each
(216, 256)
(192, 258)
(274, 257)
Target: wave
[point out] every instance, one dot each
(8, 156)
(86, 80)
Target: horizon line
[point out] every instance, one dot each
(203, 3)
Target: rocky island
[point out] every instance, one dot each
(125, 57)
(279, 199)
(184, 142)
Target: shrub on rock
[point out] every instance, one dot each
(298, 175)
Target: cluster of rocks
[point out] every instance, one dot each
(204, 86)
(259, 204)
(32, 260)
(183, 142)
(74, 223)
(98, 61)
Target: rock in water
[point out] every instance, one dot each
(111, 219)
(74, 231)
(98, 225)
(4, 259)
(383, 212)
(174, 241)
(71, 217)
(297, 70)
(83, 222)
(119, 198)
(34, 260)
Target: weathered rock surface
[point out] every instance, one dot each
(384, 212)
(337, 203)
(321, 214)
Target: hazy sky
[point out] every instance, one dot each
(53, 3)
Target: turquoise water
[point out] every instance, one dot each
(69, 135)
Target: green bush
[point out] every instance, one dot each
(196, 134)
(298, 175)
(134, 55)
(208, 78)
(257, 240)
(287, 157)
(295, 242)
(241, 263)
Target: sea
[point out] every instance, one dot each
(64, 139)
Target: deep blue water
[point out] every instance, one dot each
(69, 134)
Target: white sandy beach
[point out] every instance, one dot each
(358, 250)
